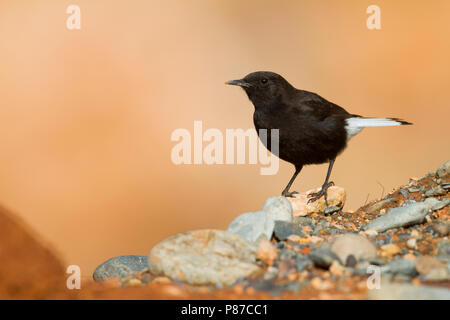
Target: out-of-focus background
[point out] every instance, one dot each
(86, 115)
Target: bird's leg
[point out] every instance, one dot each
(286, 192)
(323, 191)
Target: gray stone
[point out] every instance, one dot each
(120, 267)
(390, 291)
(353, 244)
(253, 226)
(444, 170)
(443, 248)
(435, 191)
(204, 257)
(332, 209)
(302, 262)
(284, 229)
(406, 267)
(323, 258)
(442, 228)
(437, 204)
(278, 208)
(399, 217)
(304, 221)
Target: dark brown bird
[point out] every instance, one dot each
(312, 130)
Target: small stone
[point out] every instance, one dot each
(203, 257)
(253, 226)
(442, 228)
(285, 268)
(161, 280)
(400, 217)
(412, 244)
(278, 208)
(323, 258)
(337, 269)
(444, 170)
(415, 234)
(304, 221)
(426, 264)
(331, 209)
(435, 191)
(284, 229)
(390, 250)
(271, 273)
(134, 283)
(351, 261)
(302, 262)
(267, 252)
(353, 244)
(371, 233)
(120, 267)
(400, 266)
(319, 284)
(336, 197)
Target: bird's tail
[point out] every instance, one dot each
(359, 122)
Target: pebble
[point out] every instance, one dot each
(323, 258)
(120, 267)
(267, 252)
(203, 257)
(442, 228)
(444, 170)
(278, 208)
(337, 269)
(332, 209)
(253, 226)
(389, 250)
(426, 264)
(284, 229)
(406, 267)
(351, 261)
(353, 244)
(412, 244)
(302, 262)
(399, 217)
(336, 197)
(435, 191)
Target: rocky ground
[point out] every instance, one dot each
(396, 247)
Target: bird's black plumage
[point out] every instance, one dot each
(312, 130)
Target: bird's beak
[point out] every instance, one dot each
(240, 83)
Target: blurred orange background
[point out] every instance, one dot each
(86, 115)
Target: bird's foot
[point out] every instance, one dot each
(288, 194)
(323, 192)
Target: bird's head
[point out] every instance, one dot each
(263, 87)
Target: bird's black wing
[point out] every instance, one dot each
(317, 107)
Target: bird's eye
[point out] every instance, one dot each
(264, 81)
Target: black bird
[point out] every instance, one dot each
(312, 130)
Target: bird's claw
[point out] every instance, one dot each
(323, 192)
(288, 194)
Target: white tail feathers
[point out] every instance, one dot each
(355, 125)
